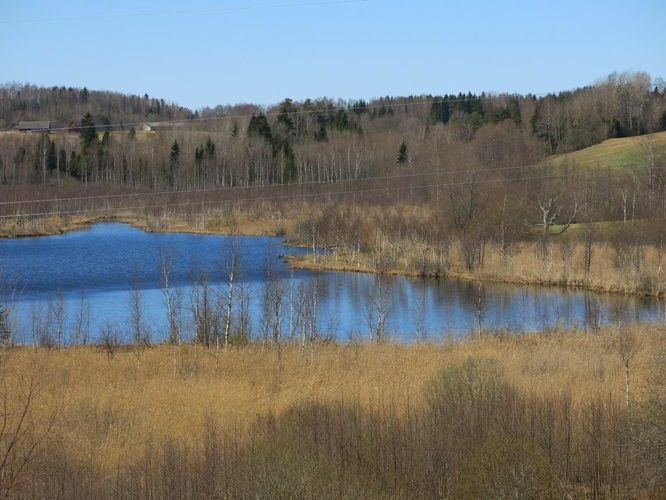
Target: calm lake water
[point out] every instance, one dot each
(103, 263)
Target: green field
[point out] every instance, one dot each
(617, 153)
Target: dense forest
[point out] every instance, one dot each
(101, 138)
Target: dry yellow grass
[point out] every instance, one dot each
(561, 266)
(110, 410)
(254, 222)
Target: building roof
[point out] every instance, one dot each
(40, 125)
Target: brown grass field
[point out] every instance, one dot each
(117, 422)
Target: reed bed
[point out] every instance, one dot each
(340, 420)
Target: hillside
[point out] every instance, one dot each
(617, 153)
(64, 106)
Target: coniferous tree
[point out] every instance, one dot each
(174, 160)
(321, 134)
(198, 156)
(341, 121)
(174, 154)
(259, 127)
(289, 162)
(87, 132)
(51, 156)
(62, 160)
(209, 150)
(440, 112)
(403, 155)
(285, 116)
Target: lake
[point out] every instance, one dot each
(95, 271)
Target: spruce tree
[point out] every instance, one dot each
(289, 162)
(403, 156)
(259, 127)
(210, 149)
(174, 160)
(51, 156)
(321, 135)
(284, 116)
(87, 132)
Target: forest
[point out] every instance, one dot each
(99, 138)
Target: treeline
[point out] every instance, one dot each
(314, 140)
(65, 106)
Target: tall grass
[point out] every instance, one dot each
(532, 416)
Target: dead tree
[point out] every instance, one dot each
(550, 215)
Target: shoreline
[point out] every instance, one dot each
(266, 227)
(305, 262)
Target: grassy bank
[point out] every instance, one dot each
(362, 420)
(616, 262)
(257, 222)
(561, 265)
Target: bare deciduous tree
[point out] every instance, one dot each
(232, 270)
(140, 335)
(172, 299)
(203, 308)
(377, 308)
(624, 342)
(22, 431)
(109, 339)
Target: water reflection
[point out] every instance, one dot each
(92, 271)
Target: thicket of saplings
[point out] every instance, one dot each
(470, 431)
(479, 239)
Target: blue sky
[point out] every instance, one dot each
(204, 52)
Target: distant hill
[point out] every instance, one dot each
(319, 140)
(66, 105)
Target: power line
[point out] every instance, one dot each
(265, 186)
(280, 197)
(294, 185)
(282, 113)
